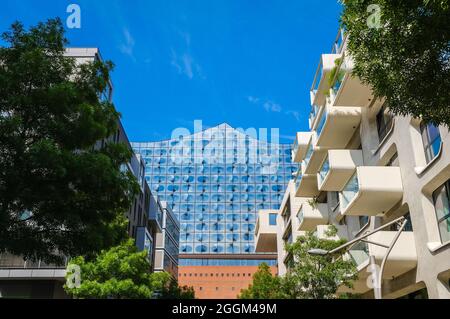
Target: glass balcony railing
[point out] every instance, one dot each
(309, 154)
(295, 146)
(298, 179)
(349, 192)
(300, 215)
(312, 115)
(339, 75)
(324, 170)
(317, 78)
(321, 124)
(8, 261)
(359, 253)
(339, 42)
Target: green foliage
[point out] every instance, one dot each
(172, 291)
(124, 273)
(57, 192)
(407, 59)
(265, 285)
(316, 277)
(308, 276)
(332, 78)
(313, 202)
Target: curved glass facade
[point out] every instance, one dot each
(215, 181)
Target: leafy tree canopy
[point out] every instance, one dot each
(317, 277)
(124, 273)
(265, 285)
(58, 193)
(308, 276)
(407, 58)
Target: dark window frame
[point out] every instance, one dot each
(429, 142)
(436, 194)
(385, 121)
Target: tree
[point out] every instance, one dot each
(264, 286)
(406, 57)
(316, 277)
(122, 272)
(308, 277)
(59, 195)
(172, 291)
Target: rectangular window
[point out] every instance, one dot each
(272, 219)
(350, 191)
(384, 122)
(431, 140)
(441, 199)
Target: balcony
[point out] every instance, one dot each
(266, 231)
(320, 84)
(347, 89)
(337, 169)
(371, 191)
(402, 258)
(337, 125)
(313, 116)
(310, 217)
(15, 267)
(313, 158)
(322, 232)
(306, 185)
(301, 144)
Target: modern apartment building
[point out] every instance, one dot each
(25, 279)
(362, 168)
(215, 181)
(167, 242)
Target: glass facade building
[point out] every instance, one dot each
(215, 181)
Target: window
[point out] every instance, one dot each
(384, 122)
(441, 198)
(393, 161)
(272, 219)
(431, 140)
(334, 200)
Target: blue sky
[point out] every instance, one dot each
(245, 62)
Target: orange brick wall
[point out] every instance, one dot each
(217, 282)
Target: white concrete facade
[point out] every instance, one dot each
(367, 176)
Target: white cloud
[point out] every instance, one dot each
(270, 106)
(184, 62)
(128, 46)
(295, 114)
(253, 99)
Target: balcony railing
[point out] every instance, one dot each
(324, 170)
(337, 125)
(320, 85)
(308, 155)
(309, 217)
(8, 261)
(301, 143)
(346, 88)
(350, 191)
(339, 42)
(298, 179)
(315, 110)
